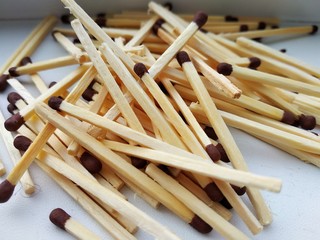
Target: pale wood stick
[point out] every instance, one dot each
(271, 32)
(27, 47)
(2, 168)
(106, 76)
(108, 185)
(111, 177)
(199, 193)
(250, 126)
(268, 51)
(201, 209)
(70, 47)
(112, 226)
(44, 65)
(223, 133)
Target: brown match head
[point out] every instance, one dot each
(223, 155)
(213, 192)
(213, 152)
(6, 191)
(157, 25)
(200, 19)
(210, 133)
(25, 61)
(13, 97)
(140, 69)
(224, 202)
(14, 122)
(168, 5)
(3, 82)
(101, 21)
(239, 190)
(182, 57)
(22, 143)
(262, 25)
(13, 72)
(76, 40)
(91, 163)
(224, 69)
(52, 84)
(201, 226)
(230, 18)
(314, 29)
(283, 50)
(59, 217)
(88, 94)
(164, 169)
(55, 102)
(138, 162)
(65, 18)
(254, 62)
(307, 122)
(288, 118)
(244, 28)
(11, 108)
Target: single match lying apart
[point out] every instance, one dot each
(148, 106)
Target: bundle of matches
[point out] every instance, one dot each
(149, 109)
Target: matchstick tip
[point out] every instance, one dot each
(224, 202)
(13, 72)
(76, 40)
(55, 102)
(99, 15)
(213, 152)
(6, 191)
(89, 92)
(200, 18)
(101, 21)
(210, 133)
(182, 57)
(14, 122)
(65, 18)
(239, 190)
(288, 118)
(13, 97)
(157, 25)
(52, 84)
(283, 50)
(262, 25)
(200, 225)
(213, 192)
(223, 155)
(26, 60)
(91, 163)
(138, 162)
(22, 143)
(314, 29)
(307, 122)
(140, 69)
(230, 18)
(244, 28)
(168, 5)
(254, 62)
(11, 108)
(3, 82)
(59, 217)
(224, 69)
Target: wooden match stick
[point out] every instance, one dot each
(211, 217)
(273, 32)
(112, 226)
(64, 221)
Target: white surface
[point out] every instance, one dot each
(306, 10)
(295, 209)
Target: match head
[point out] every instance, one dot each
(213, 192)
(168, 5)
(210, 133)
(11, 108)
(14, 122)
(224, 69)
(101, 21)
(254, 62)
(6, 191)
(223, 155)
(213, 152)
(288, 118)
(244, 28)
(3, 82)
(52, 84)
(88, 94)
(224, 202)
(314, 29)
(200, 19)
(230, 18)
(91, 163)
(22, 143)
(262, 25)
(25, 61)
(65, 18)
(157, 25)
(55, 102)
(13, 72)
(200, 225)
(307, 122)
(140, 69)
(59, 217)
(138, 162)
(182, 57)
(239, 190)
(13, 97)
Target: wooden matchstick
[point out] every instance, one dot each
(2, 168)
(64, 221)
(211, 217)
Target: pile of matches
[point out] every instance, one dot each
(148, 107)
